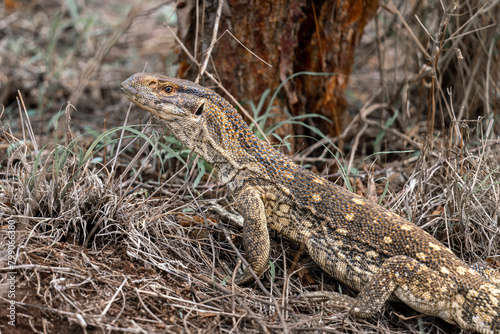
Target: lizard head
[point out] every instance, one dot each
(165, 97)
(200, 118)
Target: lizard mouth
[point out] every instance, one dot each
(128, 90)
(127, 93)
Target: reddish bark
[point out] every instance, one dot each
(293, 36)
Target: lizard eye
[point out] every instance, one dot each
(168, 89)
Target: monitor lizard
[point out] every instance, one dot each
(365, 246)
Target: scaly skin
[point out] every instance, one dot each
(361, 244)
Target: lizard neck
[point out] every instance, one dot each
(223, 139)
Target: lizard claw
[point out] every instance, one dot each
(244, 278)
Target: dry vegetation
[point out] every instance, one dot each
(116, 228)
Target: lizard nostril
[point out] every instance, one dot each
(153, 84)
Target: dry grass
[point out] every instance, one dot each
(112, 235)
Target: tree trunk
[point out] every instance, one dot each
(293, 36)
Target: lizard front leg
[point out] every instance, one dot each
(255, 233)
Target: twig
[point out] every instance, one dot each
(214, 38)
(243, 45)
(103, 51)
(227, 291)
(257, 280)
(394, 10)
(103, 313)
